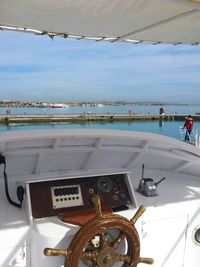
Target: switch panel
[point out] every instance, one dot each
(66, 196)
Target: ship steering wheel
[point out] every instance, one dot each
(106, 253)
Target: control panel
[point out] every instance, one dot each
(75, 195)
(66, 196)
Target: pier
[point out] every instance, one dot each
(89, 117)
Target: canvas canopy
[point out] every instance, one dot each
(154, 21)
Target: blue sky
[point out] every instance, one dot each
(37, 68)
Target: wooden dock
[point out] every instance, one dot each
(89, 117)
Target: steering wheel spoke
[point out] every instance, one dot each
(89, 255)
(103, 240)
(56, 252)
(146, 260)
(118, 240)
(125, 258)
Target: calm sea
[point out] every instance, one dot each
(140, 109)
(169, 128)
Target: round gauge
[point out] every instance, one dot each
(89, 183)
(105, 184)
(118, 180)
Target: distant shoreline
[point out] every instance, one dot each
(29, 104)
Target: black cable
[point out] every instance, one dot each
(18, 205)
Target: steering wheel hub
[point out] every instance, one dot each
(107, 257)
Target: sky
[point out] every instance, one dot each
(36, 68)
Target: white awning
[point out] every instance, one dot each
(154, 21)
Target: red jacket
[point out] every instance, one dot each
(189, 124)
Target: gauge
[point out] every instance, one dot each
(118, 180)
(89, 183)
(105, 184)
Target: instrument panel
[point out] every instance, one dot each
(51, 198)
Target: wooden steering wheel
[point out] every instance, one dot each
(105, 254)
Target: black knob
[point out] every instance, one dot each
(76, 190)
(89, 183)
(118, 180)
(68, 190)
(123, 196)
(64, 191)
(56, 192)
(60, 191)
(72, 190)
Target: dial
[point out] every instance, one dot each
(105, 184)
(118, 180)
(89, 183)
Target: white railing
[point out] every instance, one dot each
(193, 138)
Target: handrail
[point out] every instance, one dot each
(194, 136)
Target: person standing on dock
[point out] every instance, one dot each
(188, 126)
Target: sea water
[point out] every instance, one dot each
(168, 128)
(111, 109)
